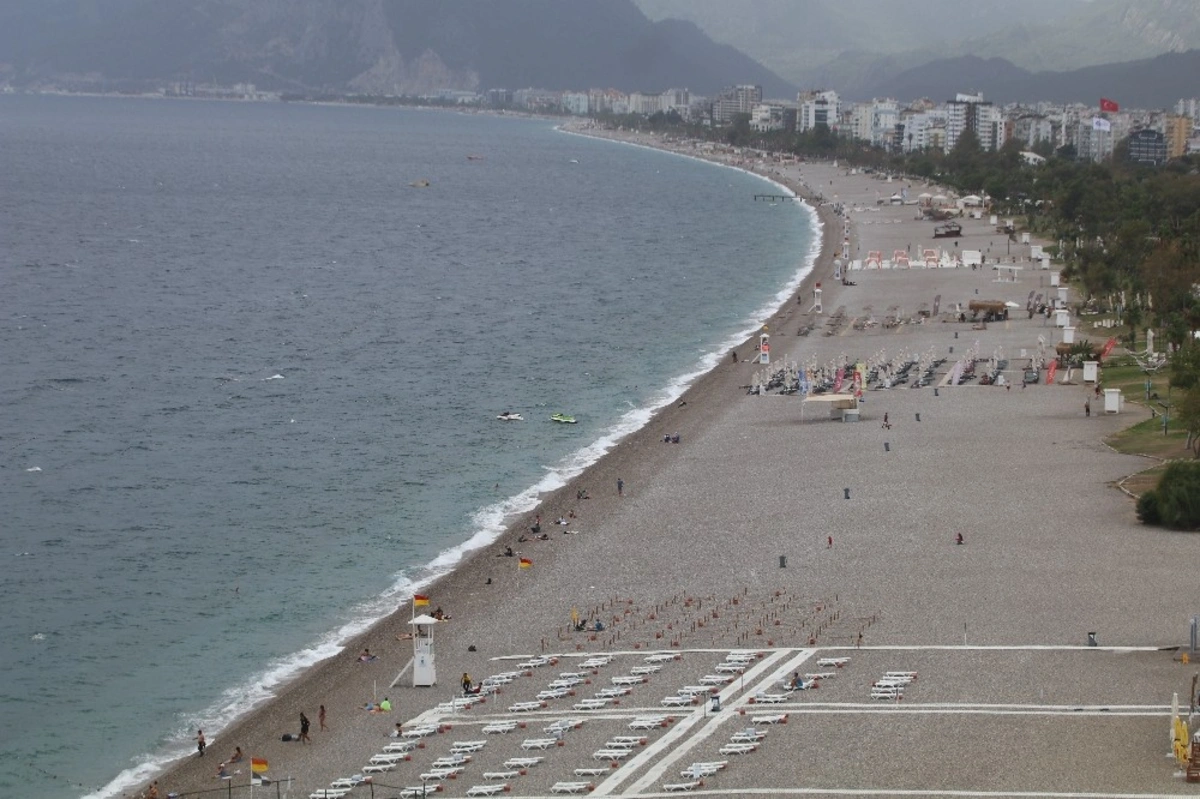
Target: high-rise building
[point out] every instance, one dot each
(1179, 130)
(818, 108)
(971, 112)
(1148, 147)
(735, 100)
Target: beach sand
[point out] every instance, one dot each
(688, 559)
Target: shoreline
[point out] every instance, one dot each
(706, 381)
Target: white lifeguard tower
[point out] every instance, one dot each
(424, 662)
(764, 347)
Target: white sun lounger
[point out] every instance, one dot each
(591, 704)
(441, 774)
(677, 701)
(538, 743)
(820, 675)
(388, 757)
(450, 761)
(347, 782)
(647, 722)
(642, 671)
(770, 699)
(610, 754)
(419, 732)
(730, 668)
(680, 787)
(487, 790)
(660, 657)
(400, 746)
(566, 682)
(592, 771)
(717, 679)
(887, 693)
(467, 747)
(627, 740)
(498, 727)
(695, 690)
(555, 693)
(378, 768)
(567, 675)
(628, 679)
(748, 736)
(525, 707)
(570, 787)
(534, 663)
(737, 749)
(329, 793)
(613, 693)
(835, 662)
(776, 718)
(420, 790)
(911, 674)
(522, 762)
(595, 663)
(501, 775)
(562, 725)
(703, 769)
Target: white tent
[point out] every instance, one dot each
(424, 618)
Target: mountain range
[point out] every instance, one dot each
(858, 46)
(367, 46)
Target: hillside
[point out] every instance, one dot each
(1148, 83)
(371, 46)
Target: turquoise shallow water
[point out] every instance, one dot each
(251, 375)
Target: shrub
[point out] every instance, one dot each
(1178, 496)
(1147, 508)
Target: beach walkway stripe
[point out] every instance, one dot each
(679, 729)
(911, 792)
(729, 712)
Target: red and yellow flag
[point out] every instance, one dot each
(525, 563)
(420, 600)
(258, 765)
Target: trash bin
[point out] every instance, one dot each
(1092, 640)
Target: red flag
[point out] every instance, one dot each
(1108, 105)
(524, 563)
(258, 765)
(420, 600)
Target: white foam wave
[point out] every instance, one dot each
(489, 523)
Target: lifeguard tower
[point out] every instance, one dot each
(424, 663)
(764, 346)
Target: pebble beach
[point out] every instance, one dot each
(771, 528)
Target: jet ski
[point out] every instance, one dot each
(562, 418)
(509, 416)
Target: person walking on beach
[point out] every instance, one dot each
(321, 718)
(829, 542)
(304, 725)
(958, 538)
(200, 742)
(620, 487)
(1087, 407)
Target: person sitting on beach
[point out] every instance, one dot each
(675, 439)
(582, 494)
(561, 520)
(236, 757)
(543, 537)
(580, 626)
(571, 513)
(366, 656)
(440, 614)
(521, 539)
(222, 773)
(466, 683)
(396, 733)
(508, 552)
(599, 627)
(666, 438)
(385, 706)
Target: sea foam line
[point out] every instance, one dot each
(490, 522)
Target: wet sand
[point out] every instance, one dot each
(1052, 550)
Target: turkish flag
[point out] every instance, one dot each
(1108, 105)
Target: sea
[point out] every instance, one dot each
(252, 358)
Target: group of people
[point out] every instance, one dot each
(671, 439)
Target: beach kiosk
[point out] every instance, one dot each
(1091, 371)
(1113, 400)
(843, 407)
(424, 666)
